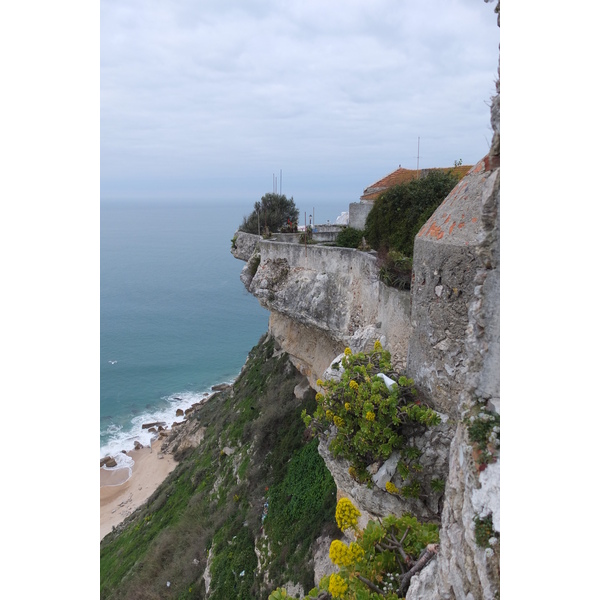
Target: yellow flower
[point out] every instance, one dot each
(353, 384)
(346, 514)
(319, 397)
(329, 415)
(320, 382)
(370, 416)
(378, 347)
(391, 488)
(347, 406)
(347, 352)
(338, 421)
(337, 586)
(344, 556)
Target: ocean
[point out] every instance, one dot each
(175, 318)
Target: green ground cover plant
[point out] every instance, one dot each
(297, 506)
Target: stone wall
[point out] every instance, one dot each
(331, 292)
(445, 264)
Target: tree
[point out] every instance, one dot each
(273, 212)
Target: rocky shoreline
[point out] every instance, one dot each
(124, 489)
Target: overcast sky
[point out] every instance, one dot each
(211, 98)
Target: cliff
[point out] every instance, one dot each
(323, 299)
(444, 334)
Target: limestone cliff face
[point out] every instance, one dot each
(323, 299)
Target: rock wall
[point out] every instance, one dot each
(445, 264)
(323, 299)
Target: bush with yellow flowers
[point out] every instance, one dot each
(369, 421)
(381, 562)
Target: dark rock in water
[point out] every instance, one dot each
(155, 424)
(137, 445)
(152, 430)
(176, 398)
(179, 412)
(220, 387)
(108, 461)
(189, 410)
(161, 428)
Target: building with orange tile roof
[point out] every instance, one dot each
(358, 211)
(402, 175)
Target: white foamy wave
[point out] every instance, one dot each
(123, 438)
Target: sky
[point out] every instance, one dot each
(212, 99)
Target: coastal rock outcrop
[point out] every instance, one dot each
(323, 299)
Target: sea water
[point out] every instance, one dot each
(175, 318)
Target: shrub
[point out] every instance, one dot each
(402, 210)
(369, 420)
(381, 562)
(350, 237)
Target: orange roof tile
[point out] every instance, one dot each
(402, 175)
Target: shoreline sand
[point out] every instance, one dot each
(120, 497)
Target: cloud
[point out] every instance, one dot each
(337, 91)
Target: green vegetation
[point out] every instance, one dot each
(210, 509)
(273, 213)
(382, 560)
(484, 433)
(371, 421)
(350, 238)
(484, 531)
(395, 269)
(297, 506)
(401, 211)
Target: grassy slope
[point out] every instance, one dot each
(213, 501)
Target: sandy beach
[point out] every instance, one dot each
(120, 496)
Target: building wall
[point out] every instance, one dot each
(358, 214)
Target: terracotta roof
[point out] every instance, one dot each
(402, 175)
